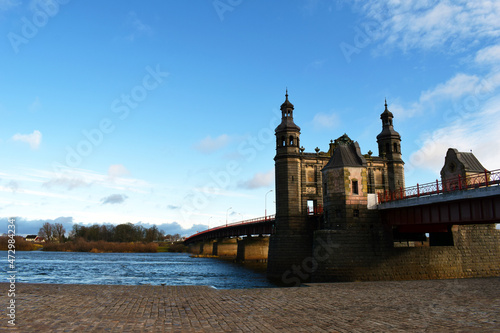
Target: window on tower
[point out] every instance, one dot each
(283, 141)
(395, 147)
(291, 140)
(355, 189)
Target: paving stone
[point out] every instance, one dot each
(390, 306)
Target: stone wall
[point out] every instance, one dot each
(365, 251)
(289, 246)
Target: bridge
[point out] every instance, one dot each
(257, 226)
(225, 242)
(424, 208)
(436, 206)
(246, 240)
(429, 231)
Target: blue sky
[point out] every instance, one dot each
(163, 112)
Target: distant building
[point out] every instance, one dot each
(459, 165)
(34, 239)
(31, 238)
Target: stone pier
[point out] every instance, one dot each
(253, 249)
(208, 248)
(245, 249)
(226, 248)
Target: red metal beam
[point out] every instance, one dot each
(482, 210)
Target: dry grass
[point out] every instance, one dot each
(20, 244)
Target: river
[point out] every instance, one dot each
(133, 269)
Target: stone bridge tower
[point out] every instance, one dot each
(292, 241)
(287, 164)
(389, 148)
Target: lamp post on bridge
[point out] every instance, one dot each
(227, 212)
(265, 205)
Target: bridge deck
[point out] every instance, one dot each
(459, 184)
(257, 226)
(442, 197)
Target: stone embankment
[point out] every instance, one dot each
(465, 305)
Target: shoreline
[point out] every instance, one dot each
(423, 305)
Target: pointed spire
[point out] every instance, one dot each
(386, 112)
(287, 105)
(287, 115)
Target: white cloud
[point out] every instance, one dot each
(117, 170)
(42, 194)
(489, 55)
(34, 139)
(217, 191)
(310, 6)
(5, 5)
(209, 144)
(325, 121)
(456, 87)
(139, 28)
(451, 26)
(462, 89)
(260, 180)
(478, 133)
(71, 178)
(68, 183)
(35, 105)
(13, 185)
(315, 65)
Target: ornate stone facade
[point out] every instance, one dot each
(349, 241)
(300, 186)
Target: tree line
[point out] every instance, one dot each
(126, 232)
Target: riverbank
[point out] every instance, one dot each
(114, 247)
(81, 245)
(390, 306)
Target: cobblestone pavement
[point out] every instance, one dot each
(467, 305)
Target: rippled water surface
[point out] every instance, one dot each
(133, 269)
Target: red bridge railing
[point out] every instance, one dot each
(236, 224)
(483, 179)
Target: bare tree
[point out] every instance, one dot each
(46, 232)
(58, 232)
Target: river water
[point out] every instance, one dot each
(133, 269)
